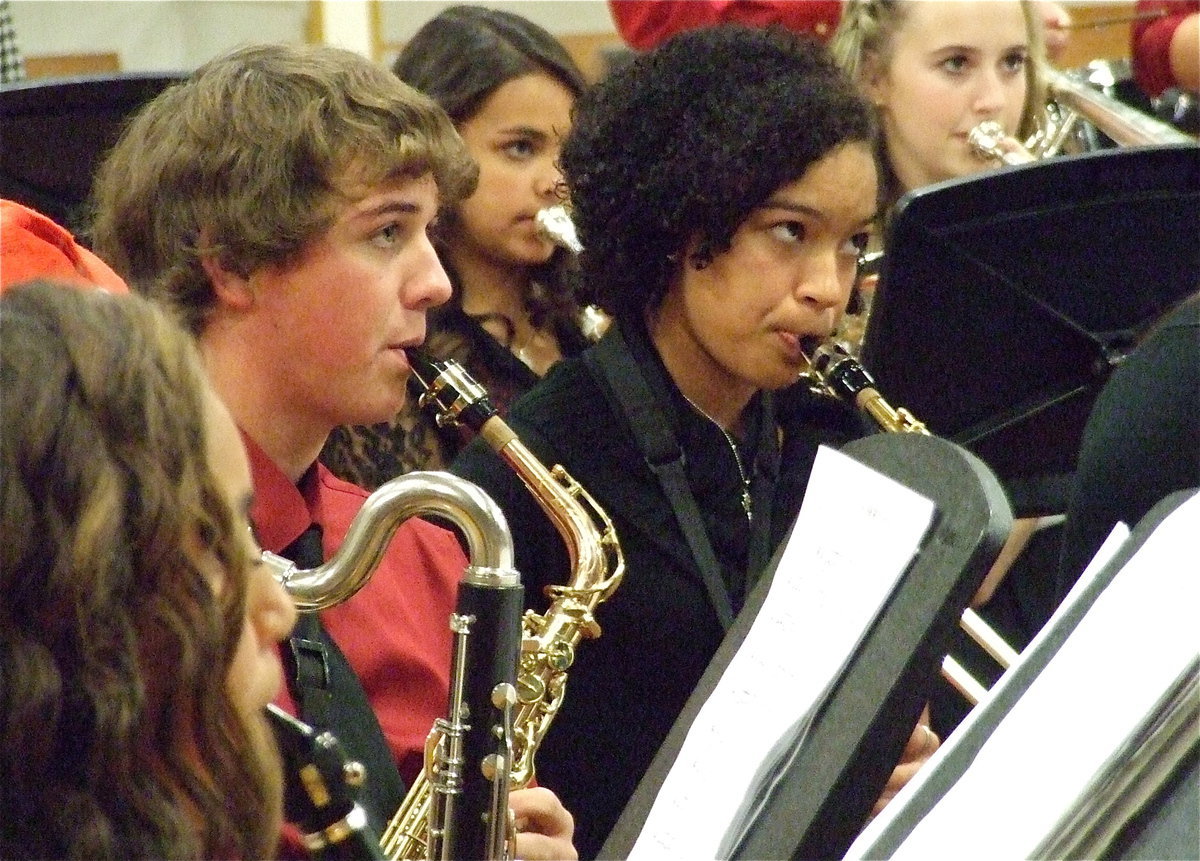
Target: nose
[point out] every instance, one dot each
(548, 177)
(269, 606)
(825, 282)
(991, 95)
(426, 284)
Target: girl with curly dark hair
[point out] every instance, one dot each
(509, 87)
(723, 186)
(138, 631)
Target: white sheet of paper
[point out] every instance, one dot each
(855, 535)
(1131, 645)
(861, 848)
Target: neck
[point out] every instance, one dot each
(259, 406)
(702, 379)
(488, 287)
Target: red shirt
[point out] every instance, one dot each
(645, 23)
(1150, 42)
(34, 246)
(395, 632)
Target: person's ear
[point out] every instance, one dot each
(872, 79)
(231, 289)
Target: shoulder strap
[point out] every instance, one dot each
(330, 697)
(611, 363)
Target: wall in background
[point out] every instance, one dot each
(174, 35)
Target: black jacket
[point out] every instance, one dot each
(659, 629)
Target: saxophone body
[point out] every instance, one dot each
(548, 641)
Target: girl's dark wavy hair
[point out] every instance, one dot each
(118, 736)
(687, 140)
(459, 58)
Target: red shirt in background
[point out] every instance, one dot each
(645, 23)
(33, 246)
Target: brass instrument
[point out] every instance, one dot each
(554, 223)
(1070, 101)
(467, 753)
(548, 641)
(834, 372)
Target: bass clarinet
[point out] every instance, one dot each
(548, 641)
(468, 754)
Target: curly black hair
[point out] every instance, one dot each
(687, 140)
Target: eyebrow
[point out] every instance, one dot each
(391, 207)
(802, 209)
(247, 503)
(527, 131)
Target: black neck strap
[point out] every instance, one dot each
(330, 697)
(619, 374)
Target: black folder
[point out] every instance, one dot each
(1146, 805)
(817, 792)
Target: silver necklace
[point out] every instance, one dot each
(747, 500)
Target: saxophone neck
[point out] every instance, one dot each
(478, 517)
(839, 374)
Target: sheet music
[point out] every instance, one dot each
(1138, 636)
(856, 533)
(861, 848)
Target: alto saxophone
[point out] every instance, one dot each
(468, 758)
(548, 641)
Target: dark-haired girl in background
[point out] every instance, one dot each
(509, 87)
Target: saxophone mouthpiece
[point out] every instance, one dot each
(450, 391)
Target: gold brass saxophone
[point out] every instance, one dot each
(548, 641)
(470, 817)
(834, 372)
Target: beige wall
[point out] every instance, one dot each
(171, 35)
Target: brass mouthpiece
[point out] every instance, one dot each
(554, 223)
(985, 141)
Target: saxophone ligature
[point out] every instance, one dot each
(548, 641)
(834, 372)
(468, 752)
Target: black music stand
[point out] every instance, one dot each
(814, 797)
(54, 132)
(1141, 805)
(1006, 298)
